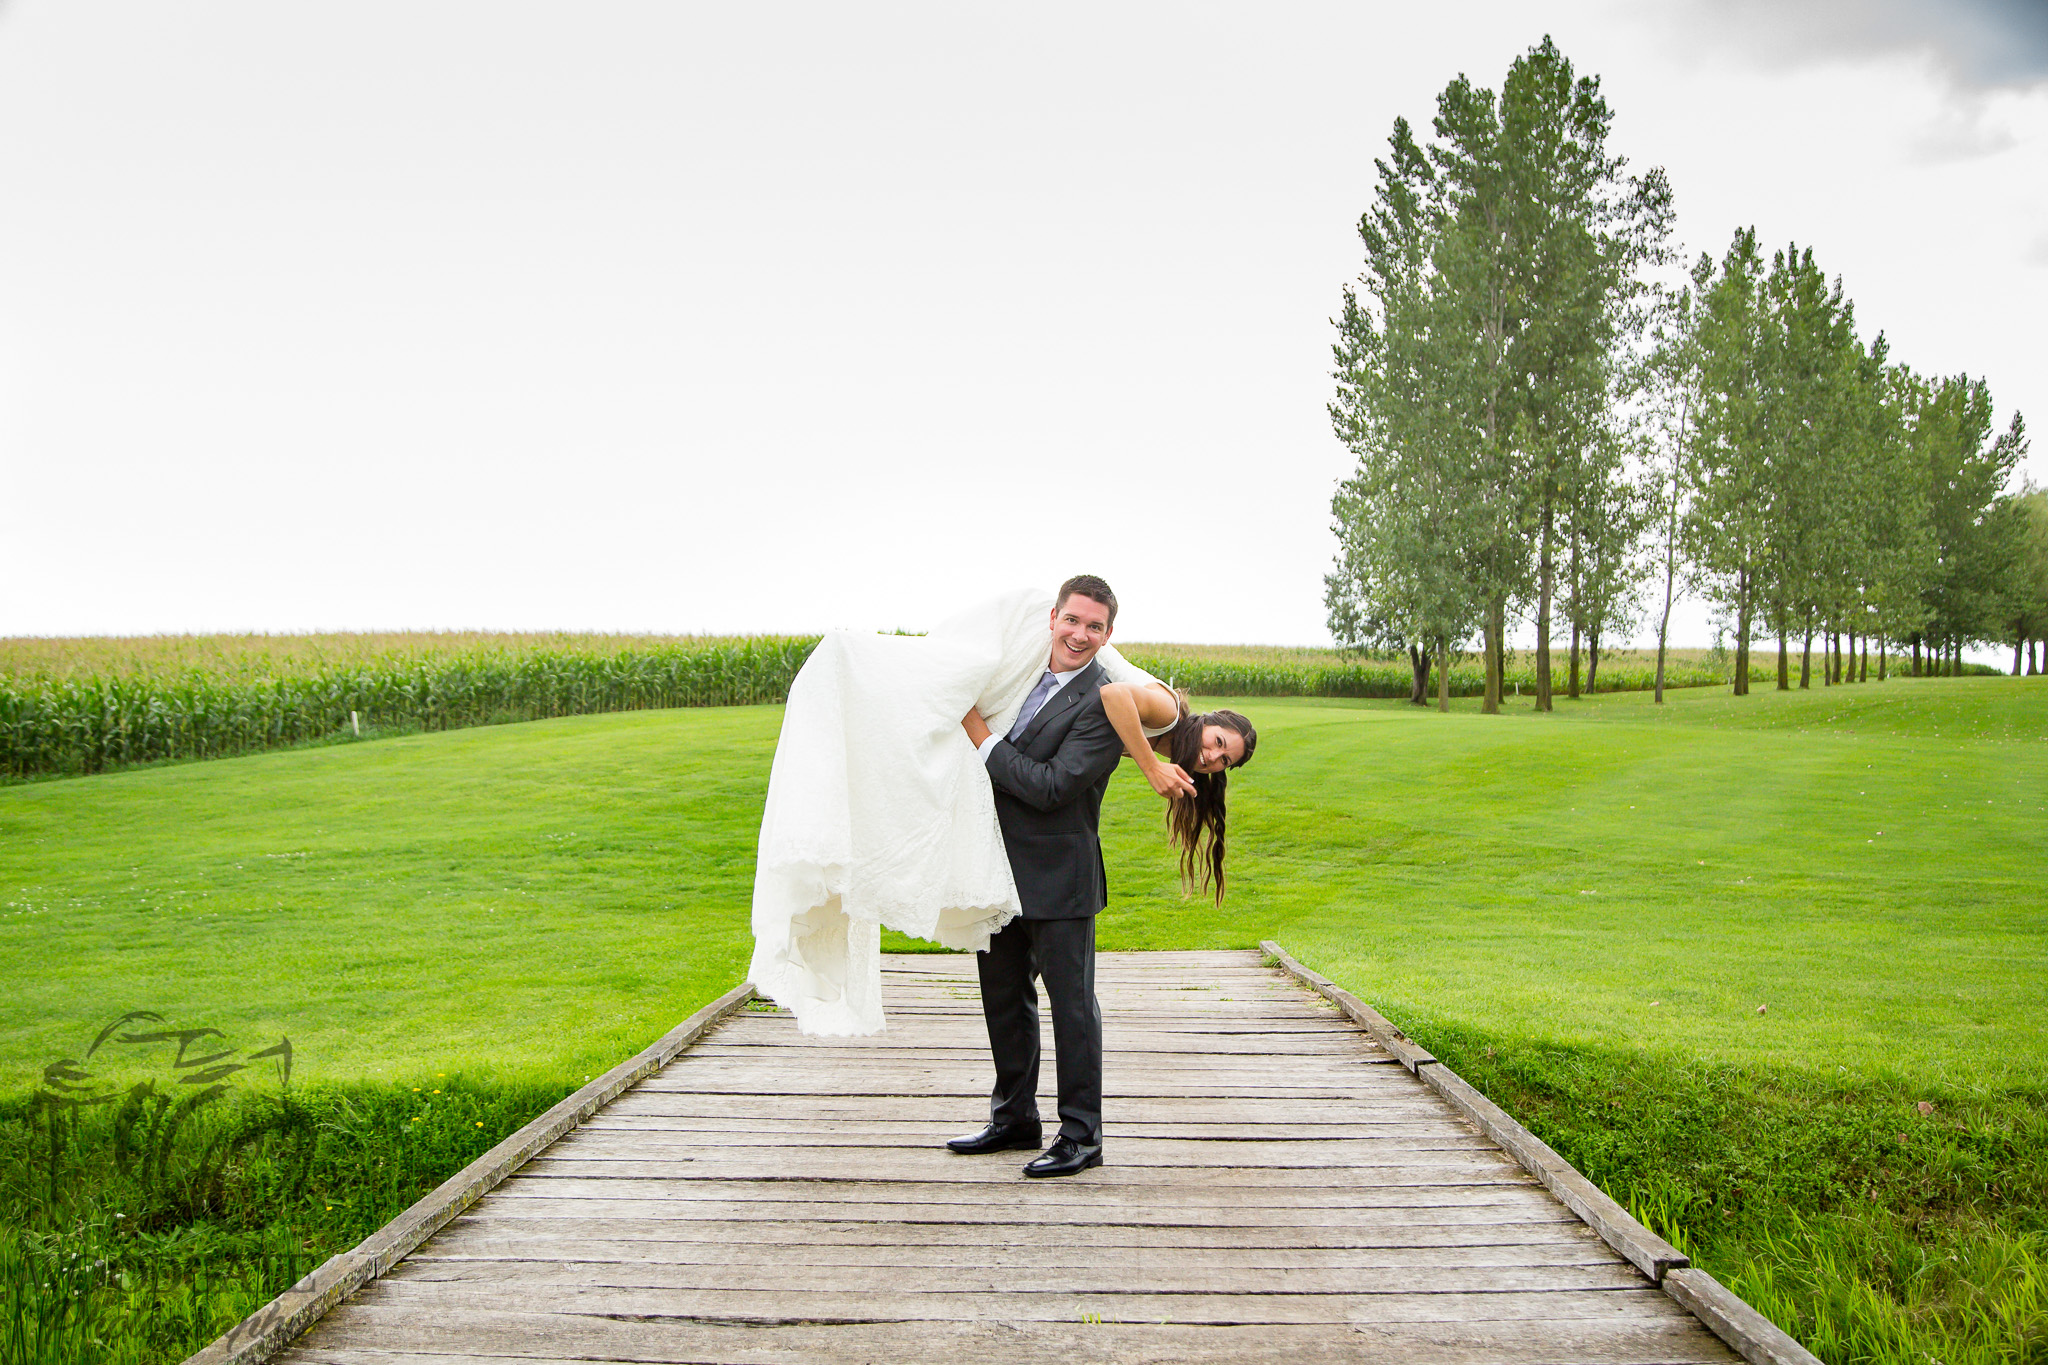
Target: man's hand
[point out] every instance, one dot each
(976, 728)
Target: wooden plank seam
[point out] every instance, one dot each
(1749, 1332)
(275, 1325)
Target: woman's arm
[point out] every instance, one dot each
(1132, 706)
(976, 728)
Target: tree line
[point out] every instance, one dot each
(1555, 419)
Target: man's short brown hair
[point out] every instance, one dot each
(1092, 588)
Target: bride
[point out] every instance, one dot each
(879, 811)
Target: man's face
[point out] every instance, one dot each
(1080, 626)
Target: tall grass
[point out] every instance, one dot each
(135, 1227)
(1880, 1223)
(145, 708)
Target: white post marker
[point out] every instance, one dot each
(355, 724)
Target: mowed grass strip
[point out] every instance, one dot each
(1865, 862)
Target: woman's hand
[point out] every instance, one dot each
(976, 728)
(1170, 780)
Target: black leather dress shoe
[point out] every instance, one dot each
(1066, 1157)
(998, 1137)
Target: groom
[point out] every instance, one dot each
(1049, 774)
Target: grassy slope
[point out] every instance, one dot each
(1864, 861)
(547, 897)
(539, 898)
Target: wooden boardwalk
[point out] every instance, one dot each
(1276, 1188)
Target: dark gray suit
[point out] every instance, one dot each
(1048, 789)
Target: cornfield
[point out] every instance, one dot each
(149, 705)
(91, 705)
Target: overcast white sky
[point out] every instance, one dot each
(693, 317)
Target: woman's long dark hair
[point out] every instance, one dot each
(1196, 822)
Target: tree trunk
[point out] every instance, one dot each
(1881, 643)
(2033, 654)
(1784, 674)
(1500, 651)
(1835, 649)
(2015, 657)
(1806, 656)
(1572, 674)
(1593, 659)
(1496, 612)
(1543, 590)
(1663, 630)
(1443, 673)
(1916, 656)
(1863, 669)
(1742, 635)
(1418, 663)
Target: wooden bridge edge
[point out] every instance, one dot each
(275, 1325)
(1753, 1336)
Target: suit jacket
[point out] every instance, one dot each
(1048, 788)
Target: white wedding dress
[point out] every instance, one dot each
(880, 812)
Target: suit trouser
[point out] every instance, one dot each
(1062, 952)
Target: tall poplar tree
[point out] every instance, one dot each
(1727, 468)
(1409, 521)
(1964, 468)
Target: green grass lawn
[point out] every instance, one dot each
(1582, 912)
(1867, 862)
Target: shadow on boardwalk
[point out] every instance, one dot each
(1276, 1188)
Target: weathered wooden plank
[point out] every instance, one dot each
(1113, 1188)
(934, 1167)
(973, 1178)
(1539, 1247)
(961, 1045)
(1283, 1073)
(545, 1339)
(544, 1280)
(1166, 1148)
(682, 1137)
(1116, 1085)
(966, 1112)
(770, 1304)
(609, 1150)
(853, 1132)
(913, 1021)
(1140, 1213)
(1413, 1227)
